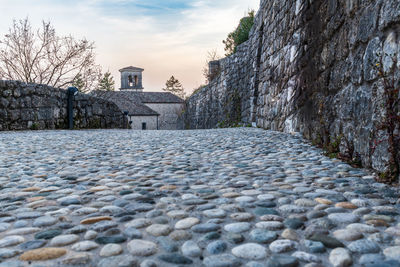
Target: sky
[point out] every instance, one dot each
(165, 37)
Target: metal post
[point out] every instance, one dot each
(72, 91)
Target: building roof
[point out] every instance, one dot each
(155, 97)
(131, 68)
(126, 102)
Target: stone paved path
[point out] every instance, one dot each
(227, 197)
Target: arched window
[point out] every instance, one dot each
(136, 80)
(130, 80)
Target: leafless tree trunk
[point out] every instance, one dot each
(40, 56)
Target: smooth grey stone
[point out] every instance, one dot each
(251, 251)
(262, 236)
(221, 260)
(174, 258)
(119, 261)
(216, 247)
(28, 215)
(12, 264)
(6, 253)
(282, 245)
(343, 218)
(368, 259)
(364, 246)
(133, 233)
(11, 240)
(168, 244)
(103, 226)
(190, 249)
(314, 246)
(32, 244)
(205, 228)
(282, 261)
(44, 221)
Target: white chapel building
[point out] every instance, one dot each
(145, 110)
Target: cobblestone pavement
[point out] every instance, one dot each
(226, 197)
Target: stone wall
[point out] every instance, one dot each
(31, 106)
(311, 67)
(169, 115)
(137, 122)
(226, 100)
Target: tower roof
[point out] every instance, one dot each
(131, 68)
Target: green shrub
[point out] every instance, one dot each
(240, 34)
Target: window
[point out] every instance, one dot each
(130, 80)
(136, 80)
(144, 126)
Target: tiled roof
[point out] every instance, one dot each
(155, 97)
(126, 102)
(131, 68)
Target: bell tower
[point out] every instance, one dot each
(131, 79)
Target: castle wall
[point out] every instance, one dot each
(228, 97)
(31, 106)
(310, 67)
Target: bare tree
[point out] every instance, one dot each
(40, 56)
(211, 56)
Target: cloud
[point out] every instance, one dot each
(166, 37)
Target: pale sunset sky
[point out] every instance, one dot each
(165, 37)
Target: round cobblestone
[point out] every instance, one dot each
(224, 197)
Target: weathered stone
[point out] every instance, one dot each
(307, 257)
(250, 251)
(111, 250)
(282, 261)
(290, 234)
(84, 246)
(115, 239)
(139, 247)
(323, 201)
(237, 227)
(175, 258)
(119, 261)
(343, 217)
(262, 236)
(222, 260)
(186, 223)
(340, 257)
(42, 254)
(282, 245)
(364, 246)
(159, 229)
(77, 259)
(191, 249)
(347, 234)
(11, 240)
(392, 253)
(216, 247)
(63, 240)
(328, 241)
(93, 220)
